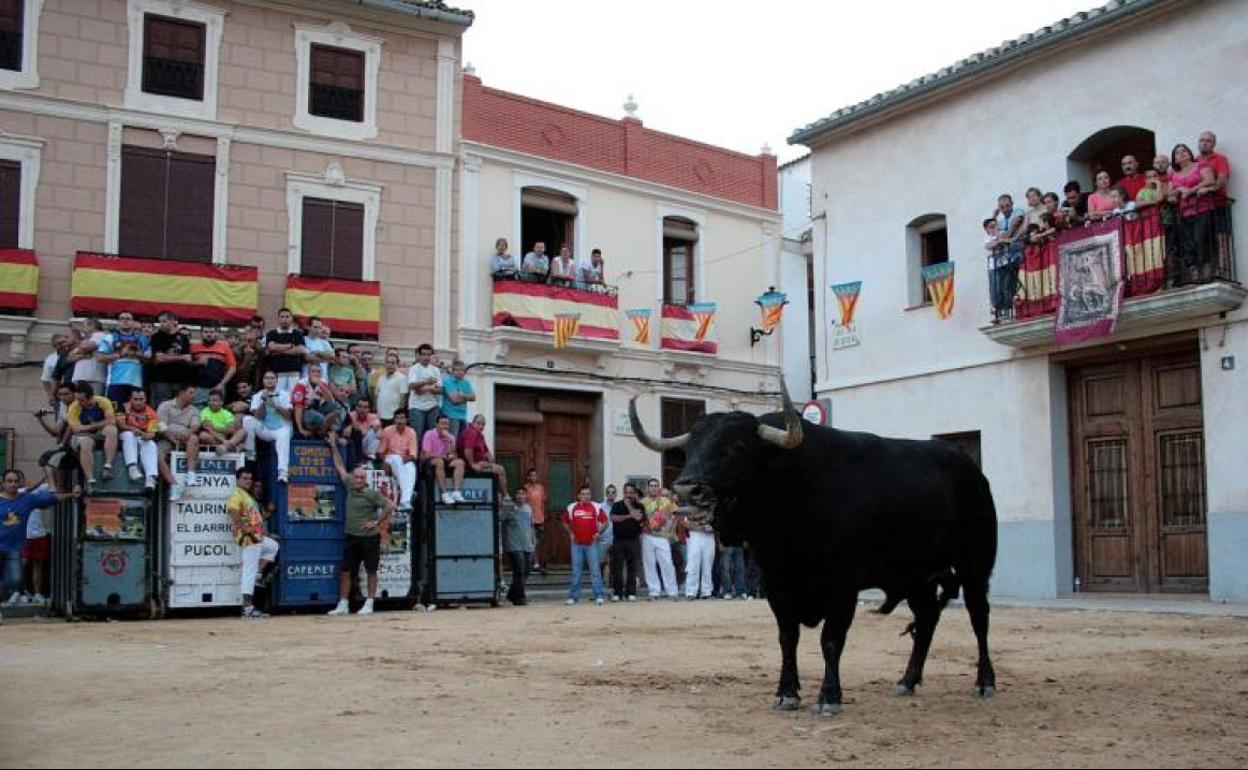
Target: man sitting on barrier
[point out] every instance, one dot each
(258, 550)
(363, 529)
(400, 448)
(438, 449)
(179, 429)
(92, 421)
(315, 408)
(138, 425)
(476, 454)
(270, 421)
(220, 428)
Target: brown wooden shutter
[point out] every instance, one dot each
(173, 57)
(337, 83)
(10, 202)
(12, 27)
(167, 202)
(333, 239)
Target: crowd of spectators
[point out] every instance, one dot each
(1187, 191)
(537, 267)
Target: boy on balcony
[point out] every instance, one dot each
(536, 264)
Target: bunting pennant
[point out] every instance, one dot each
(704, 315)
(566, 327)
(347, 307)
(19, 280)
(939, 280)
(681, 327)
(641, 323)
(772, 303)
(107, 285)
(847, 298)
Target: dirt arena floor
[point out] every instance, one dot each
(666, 685)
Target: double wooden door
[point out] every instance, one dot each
(1138, 468)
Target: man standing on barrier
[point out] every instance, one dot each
(363, 529)
(258, 549)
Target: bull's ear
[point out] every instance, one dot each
(648, 441)
(791, 436)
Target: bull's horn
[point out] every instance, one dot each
(791, 436)
(653, 444)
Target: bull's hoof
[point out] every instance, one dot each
(786, 703)
(902, 691)
(827, 709)
(984, 691)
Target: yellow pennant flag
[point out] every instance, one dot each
(566, 327)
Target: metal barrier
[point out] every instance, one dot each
(463, 545)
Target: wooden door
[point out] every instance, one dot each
(1138, 471)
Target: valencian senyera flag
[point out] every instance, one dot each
(566, 327)
(641, 324)
(939, 280)
(847, 298)
(773, 303)
(347, 307)
(685, 328)
(107, 285)
(19, 280)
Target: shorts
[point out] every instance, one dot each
(361, 550)
(61, 458)
(38, 549)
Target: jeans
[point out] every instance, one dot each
(733, 571)
(424, 421)
(12, 570)
(585, 557)
(625, 553)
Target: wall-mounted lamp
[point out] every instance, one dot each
(771, 303)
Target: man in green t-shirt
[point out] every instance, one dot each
(363, 530)
(219, 427)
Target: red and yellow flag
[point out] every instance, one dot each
(347, 307)
(19, 280)
(939, 280)
(641, 323)
(704, 315)
(566, 327)
(107, 285)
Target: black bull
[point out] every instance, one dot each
(828, 513)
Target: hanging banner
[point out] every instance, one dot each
(566, 327)
(19, 281)
(394, 573)
(107, 285)
(772, 303)
(681, 328)
(704, 315)
(939, 281)
(533, 306)
(204, 562)
(641, 324)
(346, 307)
(1090, 288)
(845, 331)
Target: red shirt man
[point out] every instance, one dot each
(586, 520)
(1215, 160)
(1132, 180)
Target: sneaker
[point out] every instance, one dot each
(598, 601)
(615, 599)
(135, 473)
(570, 602)
(283, 477)
(251, 613)
(458, 496)
(107, 472)
(367, 609)
(175, 493)
(91, 486)
(632, 598)
(150, 483)
(447, 499)
(39, 599)
(727, 597)
(341, 609)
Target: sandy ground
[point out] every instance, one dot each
(670, 685)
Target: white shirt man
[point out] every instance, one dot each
(392, 388)
(320, 349)
(424, 401)
(270, 421)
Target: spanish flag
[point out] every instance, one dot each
(847, 297)
(347, 307)
(939, 280)
(566, 327)
(107, 285)
(19, 281)
(641, 322)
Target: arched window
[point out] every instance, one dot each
(680, 238)
(1105, 150)
(927, 243)
(548, 216)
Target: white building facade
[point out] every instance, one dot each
(1116, 464)
(797, 279)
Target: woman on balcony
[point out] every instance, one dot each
(502, 264)
(1190, 185)
(562, 271)
(1101, 201)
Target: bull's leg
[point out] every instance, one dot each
(926, 609)
(787, 697)
(976, 596)
(835, 629)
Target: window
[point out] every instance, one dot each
(927, 243)
(167, 202)
(173, 57)
(333, 239)
(12, 30)
(967, 442)
(337, 83)
(679, 416)
(174, 51)
(10, 203)
(548, 216)
(337, 73)
(680, 237)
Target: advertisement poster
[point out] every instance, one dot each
(200, 530)
(109, 518)
(311, 502)
(394, 576)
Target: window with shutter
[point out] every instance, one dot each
(12, 19)
(337, 83)
(10, 203)
(679, 238)
(173, 57)
(167, 202)
(332, 239)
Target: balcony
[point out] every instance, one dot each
(1175, 267)
(531, 305)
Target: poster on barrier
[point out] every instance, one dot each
(204, 562)
(394, 575)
